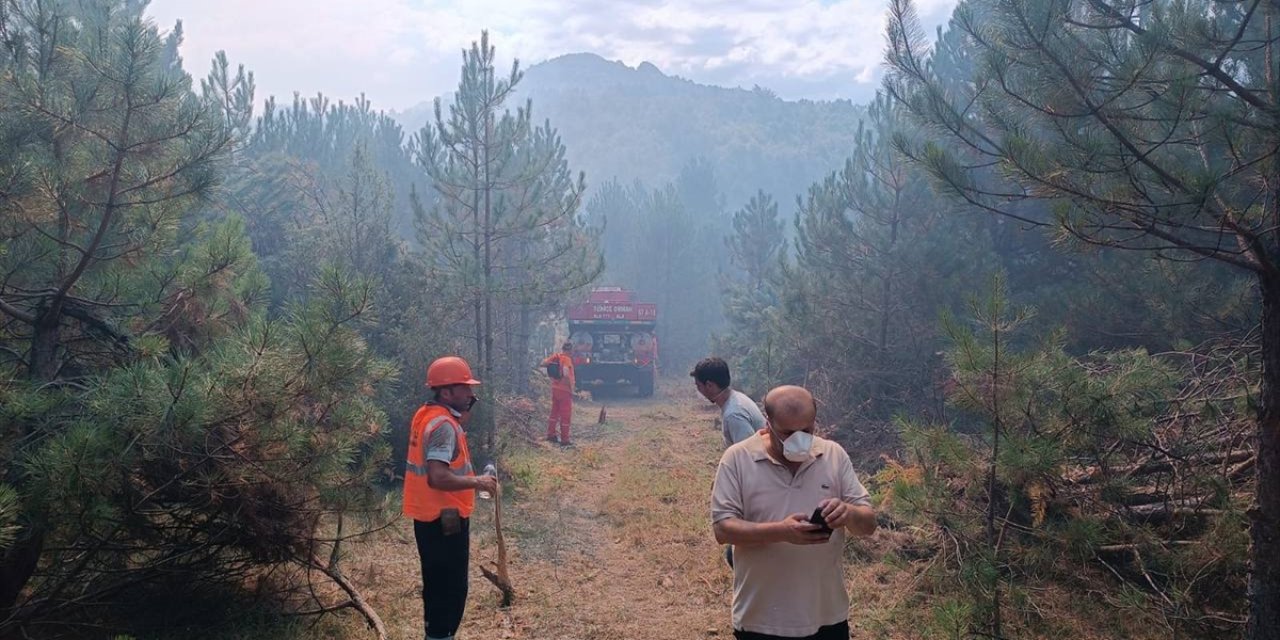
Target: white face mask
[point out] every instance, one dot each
(797, 447)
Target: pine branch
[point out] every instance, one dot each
(1213, 70)
(17, 314)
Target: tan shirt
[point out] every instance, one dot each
(784, 589)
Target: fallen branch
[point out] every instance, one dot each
(1145, 497)
(356, 601)
(1142, 566)
(1096, 474)
(1239, 470)
(1179, 508)
(1131, 548)
(498, 576)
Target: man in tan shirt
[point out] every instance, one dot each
(788, 578)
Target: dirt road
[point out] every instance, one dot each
(607, 540)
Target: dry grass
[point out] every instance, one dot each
(607, 540)
(611, 540)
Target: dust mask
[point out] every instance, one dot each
(798, 447)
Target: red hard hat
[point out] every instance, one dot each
(449, 370)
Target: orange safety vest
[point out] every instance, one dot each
(421, 501)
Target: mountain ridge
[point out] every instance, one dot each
(638, 123)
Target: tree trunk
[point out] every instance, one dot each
(992, 486)
(487, 267)
(522, 349)
(1264, 573)
(18, 565)
(886, 304)
(20, 560)
(477, 302)
(45, 337)
(487, 361)
(1264, 516)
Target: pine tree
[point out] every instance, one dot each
(1143, 126)
(504, 229)
(876, 260)
(757, 247)
(106, 148)
(758, 242)
(1053, 467)
(164, 430)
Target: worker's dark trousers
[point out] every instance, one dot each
(444, 575)
(838, 631)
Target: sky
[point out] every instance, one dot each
(400, 53)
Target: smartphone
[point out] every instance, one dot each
(817, 519)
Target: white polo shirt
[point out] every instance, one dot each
(784, 589)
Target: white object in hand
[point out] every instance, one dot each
(489, 470)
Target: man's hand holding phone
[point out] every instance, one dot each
(834, 513)
(800, 531)
(820, 520)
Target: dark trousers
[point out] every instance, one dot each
(444, 575)
(839, 631)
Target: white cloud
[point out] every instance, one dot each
(401, 52)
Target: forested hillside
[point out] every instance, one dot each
(628, 124)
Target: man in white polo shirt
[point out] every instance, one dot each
(788, 575)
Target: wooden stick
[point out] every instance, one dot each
(500, 578)
(1130, 548)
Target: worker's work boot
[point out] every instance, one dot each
(551, 437)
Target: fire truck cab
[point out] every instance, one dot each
(614, 341)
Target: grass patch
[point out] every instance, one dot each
(188, 611)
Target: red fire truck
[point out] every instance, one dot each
(614, 340)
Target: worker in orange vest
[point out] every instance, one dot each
(439, 494)
(560, 369)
